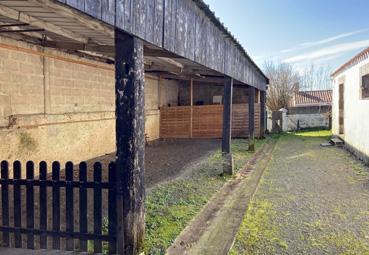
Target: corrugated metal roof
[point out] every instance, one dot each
(359, 57)
(315, 97)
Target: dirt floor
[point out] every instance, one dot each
(311, 200)
(167, 159)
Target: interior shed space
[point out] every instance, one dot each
(56, 105)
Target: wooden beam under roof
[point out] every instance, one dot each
(188, 77)
(32, 21)
(80, 46)
(79, 17)
(89, 46)
(148, 52)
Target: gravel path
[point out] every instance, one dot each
(311, 200)
(167, 159)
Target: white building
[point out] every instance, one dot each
(309, 109)
(350, 106)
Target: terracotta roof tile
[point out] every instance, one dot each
(359, 57)
(315, 97)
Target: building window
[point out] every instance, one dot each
(365, 86)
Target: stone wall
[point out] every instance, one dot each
(58, 106)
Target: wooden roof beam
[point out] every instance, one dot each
(32, 21)
(77, 16)
(164, 64)
(219, 81)
(159, 53)
(80, 46)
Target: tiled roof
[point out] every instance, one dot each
(315, 97)
(359, 57)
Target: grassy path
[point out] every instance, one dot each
(170, 206)
(213, 230)
(311, 200)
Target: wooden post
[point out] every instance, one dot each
(191, 104)
(227, 127)
(251, 118)
(262, 113)
(130, 141)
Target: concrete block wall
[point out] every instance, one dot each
(158, 92)
(205, 92)
(58, 106)
(21, 80)
(79, 88)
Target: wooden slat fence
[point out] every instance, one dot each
(207, 121)
(44, 209)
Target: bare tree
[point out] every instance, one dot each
(316, 78)
(283, 83)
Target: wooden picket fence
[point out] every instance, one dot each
(31, 207)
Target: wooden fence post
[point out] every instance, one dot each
(251, 118)
(130, 141)
(191, 104)
(262, 113)
(227, 127)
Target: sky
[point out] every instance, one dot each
(301, 32)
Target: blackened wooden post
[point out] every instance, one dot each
(262, 113)
(227, 127)
(112, 213)
(251, 118)
(130, 140)
(191, 105)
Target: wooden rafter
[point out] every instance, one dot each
(79, 17)
(32, 21)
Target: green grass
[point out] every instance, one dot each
(314, 133)
(257, 229)
(271, 220)
(170, 206)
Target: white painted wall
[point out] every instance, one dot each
(306, 121)
(356, 113)
(289, 122)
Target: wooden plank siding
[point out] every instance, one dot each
(207, 121)
(184, 27)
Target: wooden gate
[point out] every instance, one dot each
(47, 207)
(207, 121)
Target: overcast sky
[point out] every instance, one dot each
(300, 32)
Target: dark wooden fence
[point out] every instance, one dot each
(46, 207)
